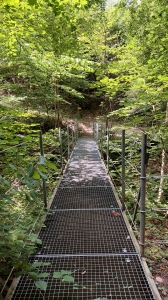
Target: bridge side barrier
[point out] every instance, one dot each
(18, 163)
(117, 169)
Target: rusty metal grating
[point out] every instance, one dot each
(87, 197)
(85, 231)
(116, 277)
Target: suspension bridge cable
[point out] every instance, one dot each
(127, 161)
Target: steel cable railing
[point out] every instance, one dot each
(66, 146)
(103, 139)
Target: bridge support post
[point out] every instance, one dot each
(43, 180)
(68, 142)
(96, 132)
(77, 132)
(143, 192)
(72, 139)
(101, 136)
(123, 169)
(107, 150)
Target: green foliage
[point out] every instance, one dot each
(65, 276)
(21, 203)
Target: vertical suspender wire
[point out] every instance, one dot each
(107, 150)
(123, 169)
(136, 208)
(43, 180)
(97, 132)
(75, 133)
(143, 192)
(98, 138)
(61, 156)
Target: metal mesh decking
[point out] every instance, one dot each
(84, 197)
(115, 277)
(85, 233)
(85, 167)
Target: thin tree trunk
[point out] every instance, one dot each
(160, 192)
(55, 111)
(161, 176)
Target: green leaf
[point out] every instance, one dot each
(64, 272)
(12, 167)
(30, 170)
(45, 264)
(7, 183)
(18, 274)
(36, 175)
(50, 165)
(39, 264)
(57, 275)
(42, 175)
(104, 80)
(42, 285)
(34, 195)
(43, 275)
(27, 197)
(33, 275)
(41, 168)
(68, 278)
(32, 2)
(4, 196)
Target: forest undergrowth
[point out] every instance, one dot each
(23, 171)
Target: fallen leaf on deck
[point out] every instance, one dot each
(116, 214)
(164, 293)
(159, 279)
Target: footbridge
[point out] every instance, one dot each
(87, 250)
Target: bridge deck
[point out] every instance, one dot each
(85, 233)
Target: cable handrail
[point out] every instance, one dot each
(103, 140)
(126, 183)
(2, 151)
(73, 135)
(128, 162)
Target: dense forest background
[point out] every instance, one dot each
(77, 60)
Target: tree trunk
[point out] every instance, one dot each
(160, 192)
(161, 176)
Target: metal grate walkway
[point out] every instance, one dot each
(86, 234)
